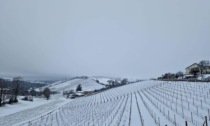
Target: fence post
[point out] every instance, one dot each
(206, 120)
(201, 104)
(197, 109)
(168, 115)
(174, 120)
(191, 117)
(209, 114)
(182, 112)
(186, 123)
(159, 121)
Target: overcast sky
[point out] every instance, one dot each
(121, 38)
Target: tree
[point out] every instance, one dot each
(124, 81)
(79, 88)
(33, 92)
(68, 93)
(116, 82)
(16, 83)
(194, 71)
(111, 82)
(2, 89)
(180, 74)
(169, 76)
(46, 93)
(203, 64)
(97, 81)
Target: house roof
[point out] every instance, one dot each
(193, 64)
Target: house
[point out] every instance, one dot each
(194, 65)
(202, 69)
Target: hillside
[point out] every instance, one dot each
(87, 85)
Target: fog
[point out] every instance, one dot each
(118, 38)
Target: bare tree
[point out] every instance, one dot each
(203, 64)
(2, 90)
(16, 83)
(46, 92)
(180, 74)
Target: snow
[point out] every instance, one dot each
(147, 103)
(20, 106)
(102, 80)
(204, 76)
(145, 112)
(26, 110)
(87, 85)
(35, 108)
(134, 113)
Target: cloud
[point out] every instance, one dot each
(112, 38)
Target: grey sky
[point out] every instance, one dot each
(132, 38)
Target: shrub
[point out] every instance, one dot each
(46, 93)
(79, 88)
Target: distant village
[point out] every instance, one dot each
(194, 72)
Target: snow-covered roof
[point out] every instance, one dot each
(192, 65)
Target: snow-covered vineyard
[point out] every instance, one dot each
(148, 103)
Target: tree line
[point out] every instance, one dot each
(201, 69)
(10, 89)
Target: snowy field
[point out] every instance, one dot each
(23, 105)
(103, 80)
(147, 103)
(26, 110)
(87, 85)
